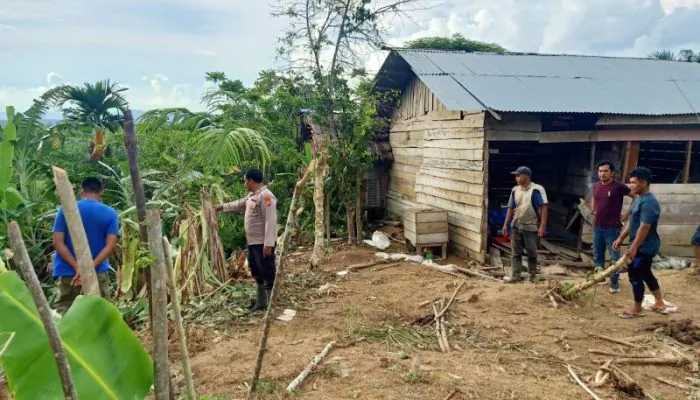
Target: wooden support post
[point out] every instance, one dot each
(42, 305)
(83, 255)
(688, 157)
(631, 158)
(159, 306)
(591, 169)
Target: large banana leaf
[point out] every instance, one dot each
(107, 360)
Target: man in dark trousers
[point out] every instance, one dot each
(101, 224)
(260, 208)
(606, 203)
(644, 243)
(527, 208)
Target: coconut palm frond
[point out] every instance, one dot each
(174, 118)
(97, 105)
(226, 149)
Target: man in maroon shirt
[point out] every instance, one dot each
(606, 203)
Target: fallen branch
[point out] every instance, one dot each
(670, 382)
(675, 361)
(177, 316)
(438, 333)
(616, 355)
(383, 267)
(576, 289)
(449, 303)
(351, 343)
(554, 302)
(477, 274)
(613, 340)
(317, 359)
(368, 264)
(453, 394)
(443, 332)
(42, 305)
(580, 383)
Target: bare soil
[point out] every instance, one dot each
(508, 341)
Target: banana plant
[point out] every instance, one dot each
(10, 198)
(106, 359)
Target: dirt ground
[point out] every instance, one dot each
(508, 341)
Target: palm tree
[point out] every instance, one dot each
(97, 107)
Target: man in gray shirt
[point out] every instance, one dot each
(260, 208)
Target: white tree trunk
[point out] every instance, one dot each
(319, 204)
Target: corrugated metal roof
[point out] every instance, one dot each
(557, 83)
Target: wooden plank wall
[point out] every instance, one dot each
(439, 162)
(680, 216)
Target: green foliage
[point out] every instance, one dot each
(685, 55)
(456, 42)
(8, 199)
(107, 360)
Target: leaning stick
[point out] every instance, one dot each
(580, 383)
(319, 357)
(281, 263)
(42, 306)
(78, 237)
(177, 316)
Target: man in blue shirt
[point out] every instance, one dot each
(101, 224)
(644, 242)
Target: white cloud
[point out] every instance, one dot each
(157, 82)
(128, 41)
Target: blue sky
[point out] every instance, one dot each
(161, 49)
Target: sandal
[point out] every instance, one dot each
(662, 311)
(630, 315)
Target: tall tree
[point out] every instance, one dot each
(455, 42)
(322, 42)
(97, 107)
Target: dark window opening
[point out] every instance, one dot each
(666, 160)
(694, 176)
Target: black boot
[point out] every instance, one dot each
(254, 302)
(261, 301)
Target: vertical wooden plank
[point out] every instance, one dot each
(591, 166)
(688, 156)
(485, 204)
(631, 159)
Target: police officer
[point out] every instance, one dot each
(260, 208)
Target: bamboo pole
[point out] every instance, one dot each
(317, 359)
(78, 237)
(159, 306)
(42, 305)
(177, 316)
(281, 263)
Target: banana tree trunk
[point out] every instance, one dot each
(319, 204)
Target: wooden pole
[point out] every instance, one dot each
(281, 262)
(577, 288)
(293, 385)
(42, 305)
(177, 316)
(159, 306)
(688, 157)
(86, 269)
(139, 195)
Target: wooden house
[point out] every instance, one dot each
(464, 121)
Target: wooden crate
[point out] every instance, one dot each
(425, 227)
